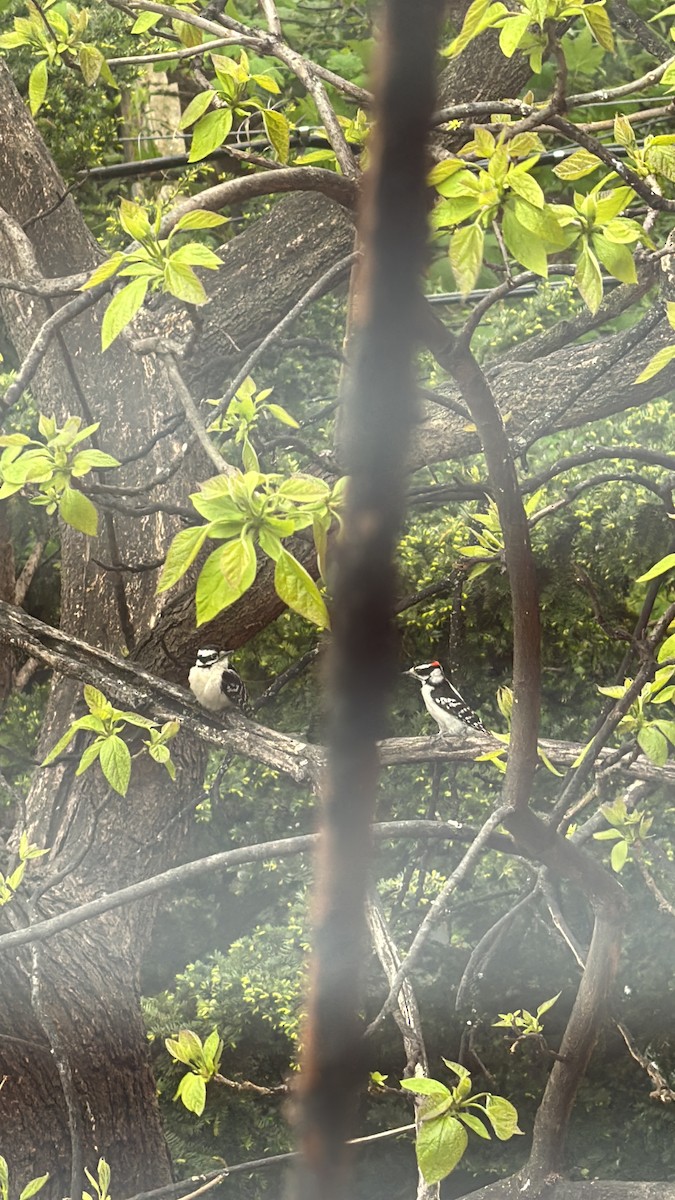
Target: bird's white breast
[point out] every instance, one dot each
(205, 684)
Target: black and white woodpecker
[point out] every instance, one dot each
(214, 682)
(443, 702)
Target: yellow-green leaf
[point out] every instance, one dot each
(115, 759)
(298, 590)
(278, 132)
(77, 510)
(121, 310)
(227, 573)
(37, 85)
(466, 255)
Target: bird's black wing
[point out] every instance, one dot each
(448, 698)
(232, 686)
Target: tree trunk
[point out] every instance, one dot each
(75, 1058)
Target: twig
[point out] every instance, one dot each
(192, 413)
(323, 284)
(434, 914)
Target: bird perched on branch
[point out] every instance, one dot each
(443, 702)
(214, 682)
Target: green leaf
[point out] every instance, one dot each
(121, 310)
(513, 31)
(525, 247)
(280, 414)
(91, 60)
(96, 702)
(503, 1117)
(667, 649)
(267, 83)
(615, 257)
(525, 186)
(89, 755)
(653, 743)
(440, 1145)
(466, 256)
(134, 219)
(473, 23)
(588, 279)
(475, 1124)
(77, 510)
(37, 85)
(597, 20)
(192, 1092)
(543, 1008)
(659, 568)
(278, 132)
(541, 221)
(269, 543)
(195, 109)
(88, 460)
(33, 1187)
(12, 40)
(211, 1048)
(577, 165)
(105, 271)
(200, 218)
(194, 254)
(182, 552)
(655, 365)
(116, 763)
(61, 744)
(210, 133)
(145, 21)
(182, 282)
(422, 1086)
(298, 590)
(304, 489)
(227, 573)
(619, 855)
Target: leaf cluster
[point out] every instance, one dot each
(204, 1062)
(526, 26)
(447, 1113)
(9, 884)
(30, 1189)
(230, 96)
(628, 829)
(108, 747)
(249, 509)
(51, 465)
(54, 31)
(154, 265)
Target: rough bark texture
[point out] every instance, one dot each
(93, 1027)
(518, 1186)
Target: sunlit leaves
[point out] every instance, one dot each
(56, 36)
(122, 309)
(45, 470)
(156, 265)
(10, 883)
(203, 1060)
(466, 255)
(524, 27)
(446, 1113)
(108, 748)
(247, 510)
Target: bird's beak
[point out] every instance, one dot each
(411, 671)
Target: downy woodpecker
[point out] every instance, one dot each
(215, 684)
(443, 702)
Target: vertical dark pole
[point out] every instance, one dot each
(378, 413)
